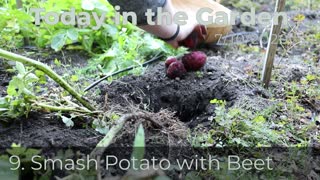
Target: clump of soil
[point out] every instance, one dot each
(161, 128)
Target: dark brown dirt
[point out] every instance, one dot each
(40, 129)
(45, 131)
(227, 76)
(4, 78)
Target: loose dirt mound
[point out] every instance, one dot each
(189, 97)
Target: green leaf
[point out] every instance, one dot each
(72, 34)
(42, 76)
(57, 62)
(31, 152)
(16, 150)
(6, 172)
(40, 73)
(16, 87)
(27, 92)
(139, 146)
(3, 102)
(20, 67)
(67, 121)
(219, 102)
(193, 176)
(259, 119)
(299, 18)
(74, 78)
(87, 5)
(84, 30)
(58, 41)
(31, 78)
(311, 77)
(112, 30)
(87, 42)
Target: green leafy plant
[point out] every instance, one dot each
(15, 27)
(112, 47)
(21, 91)
(238, 126)
(16, 161)
(131, 51)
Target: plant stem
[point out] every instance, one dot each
(107, 140)
(48, 71)
(62, 109)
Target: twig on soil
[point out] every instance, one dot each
(48, 71)
(314, 106)
(107, 140)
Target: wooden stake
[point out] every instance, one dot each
(19, 4)
(272, 45)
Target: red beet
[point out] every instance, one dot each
(176, 69)
(170, 60)
(194, 61)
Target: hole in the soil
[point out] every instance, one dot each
(186, 114)
(189, 107)
(189, 97)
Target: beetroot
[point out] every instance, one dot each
(176, 69)
(194, 61)
(170, 60)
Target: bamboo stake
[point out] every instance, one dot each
(272, 45)
(48, 71)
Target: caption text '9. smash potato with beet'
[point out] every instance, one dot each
(193, 61)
